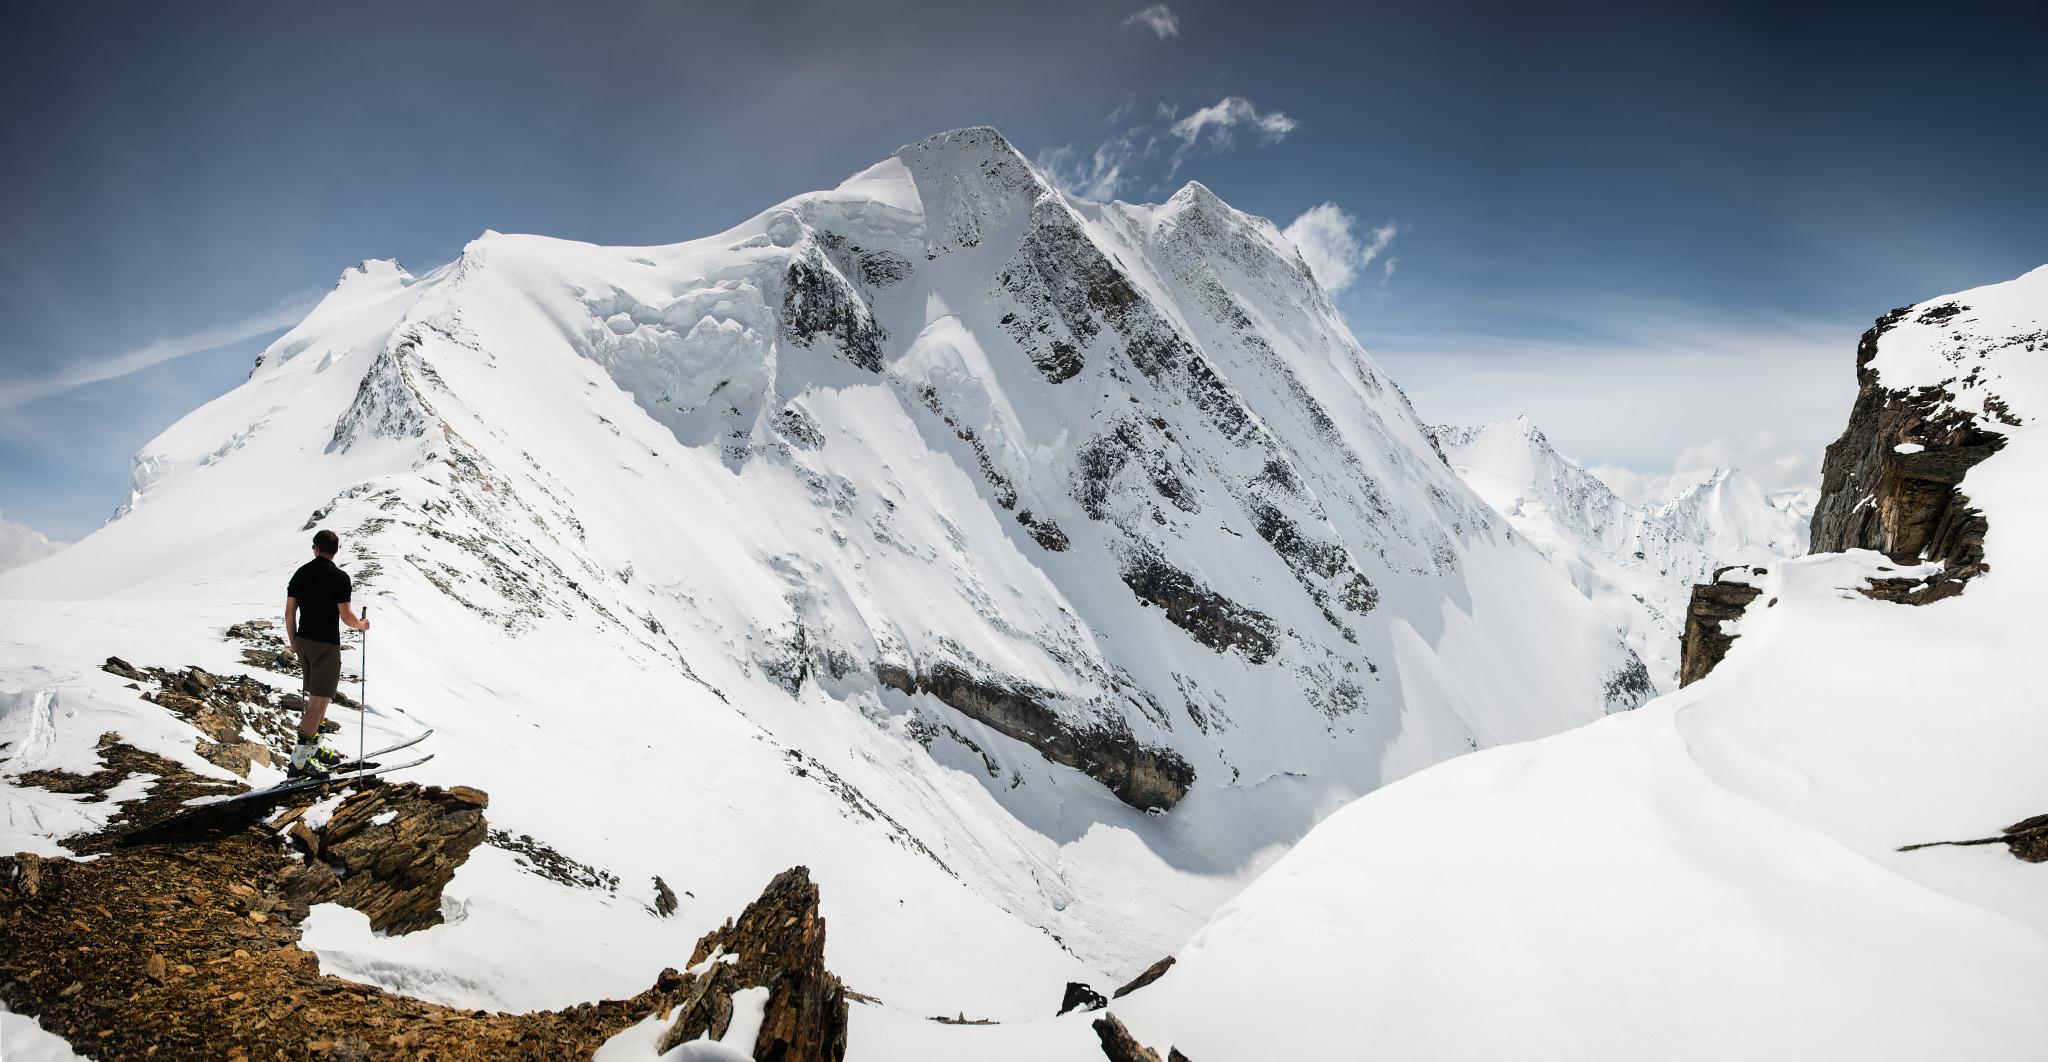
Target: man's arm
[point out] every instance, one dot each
(353, 621)
(291, 623)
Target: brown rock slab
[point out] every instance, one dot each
(777, 943)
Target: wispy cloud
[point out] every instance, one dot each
(84, 371)
(1158, 18)
(1148, 153)
(1096, 175)
(1335, 252)
(1218, 124)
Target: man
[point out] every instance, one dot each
(316, 604)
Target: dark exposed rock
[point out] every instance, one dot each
(664, 898)
(1628, 685)
(1005, 490)
(117, 666)
(1044, 531)
(1120, 1046)
(541, 859)
(1703, 643)
(1214, 620)
(777, 943)
(1905, 505)
(1081, 996)
(1142, 776)
(1152, 973)
(2026, 839)
(817, 300)
(388, 852)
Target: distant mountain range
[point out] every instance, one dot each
(1636, 565)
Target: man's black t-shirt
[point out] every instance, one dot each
(319, 587)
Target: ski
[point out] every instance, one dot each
(295, 785)
(350, 765)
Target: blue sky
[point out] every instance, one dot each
(1656, 228)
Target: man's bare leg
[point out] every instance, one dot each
(309, 720)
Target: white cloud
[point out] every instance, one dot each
(1119, 164)
(1331, 246)
(1667, 398)
(94, 370)
(1217, 124)
(20, 545)
(1158, 18)
(1098, 175)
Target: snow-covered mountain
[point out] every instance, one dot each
(1720, 873)
(1035, 570)
(1636, 566)
(1730, 517)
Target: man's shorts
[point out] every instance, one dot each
(322, 662)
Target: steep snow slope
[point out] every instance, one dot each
(940, 532)
(1637, 567)
(1717, 874)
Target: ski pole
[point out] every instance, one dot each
(363, 695)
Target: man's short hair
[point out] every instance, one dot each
(327, 542)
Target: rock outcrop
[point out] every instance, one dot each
(1142, 776)
(1081, 996)
(2026, 839)
(777, 943)
(1120, 1046)
(1891, 482)
(388, 851)
(178, 937)
(245, 721)
(179, 940)
(1704, 642)
(1151, 973)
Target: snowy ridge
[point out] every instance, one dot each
(1716, 874)
(1637, 567)
(937, 532)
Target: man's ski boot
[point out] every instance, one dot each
(312, 759)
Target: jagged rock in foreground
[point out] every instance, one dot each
(778, 943)
(1704, 642)
(179, 939)
(1120, 1046)
(388, 852)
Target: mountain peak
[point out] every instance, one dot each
(983, 143)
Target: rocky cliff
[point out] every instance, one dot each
(1933, 400)
(1892, 481)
